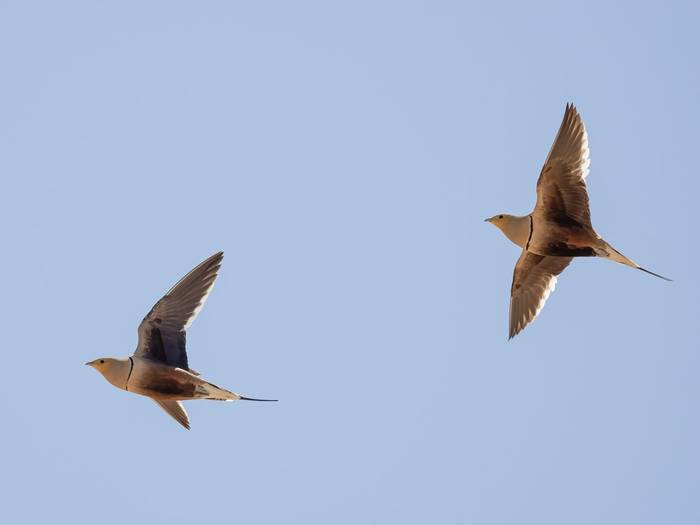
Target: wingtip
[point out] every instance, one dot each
(513, 331)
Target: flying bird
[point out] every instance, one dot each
(558, 229)
(159, 368)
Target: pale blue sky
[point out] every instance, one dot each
(344, 157)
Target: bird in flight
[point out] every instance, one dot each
(159, 368)
(558, 229)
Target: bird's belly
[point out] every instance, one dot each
(553, 240)
(162, 382)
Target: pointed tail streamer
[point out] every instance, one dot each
(654, 274)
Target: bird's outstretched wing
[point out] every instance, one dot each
(533, 280)
(561, 188)
(162, 332)
(176, 410)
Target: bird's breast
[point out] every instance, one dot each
(518, 230)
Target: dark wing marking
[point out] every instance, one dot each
(534, 278)
(176, 411)
(561, 188)
(162, 332)
(563, 249)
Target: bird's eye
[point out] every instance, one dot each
(500, 216)
(102, 361)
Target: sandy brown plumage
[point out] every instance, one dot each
(159, 367)
(558, 229)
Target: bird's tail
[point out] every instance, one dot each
(207, 390)
(607, 251)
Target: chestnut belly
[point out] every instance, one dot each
(162, 382)
(554, 240)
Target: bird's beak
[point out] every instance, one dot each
(89, 363)
(487, 220)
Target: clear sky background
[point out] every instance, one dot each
(344, 156)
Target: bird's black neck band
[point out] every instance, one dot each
(529, 237)
(131, 367)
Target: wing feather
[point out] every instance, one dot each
(561, 188)
(162, 333)
(175, 410)
(534, 279)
